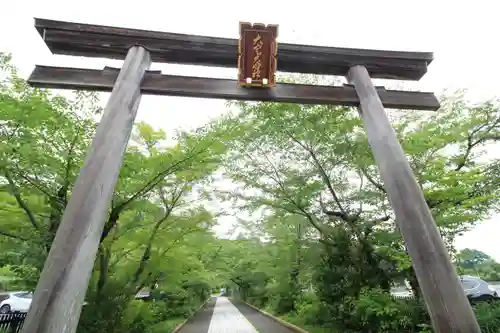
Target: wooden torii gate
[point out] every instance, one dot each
(60, 292)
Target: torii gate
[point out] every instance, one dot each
(58, 299)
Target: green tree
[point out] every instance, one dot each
(475, 262)
(314, 163)
(157, 227)
(470, 258)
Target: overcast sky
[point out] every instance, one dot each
(462, 37)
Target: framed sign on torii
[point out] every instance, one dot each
(60, 292)
(257, 55)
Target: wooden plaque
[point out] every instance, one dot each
(257, 55)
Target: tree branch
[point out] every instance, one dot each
(147, 252)
(321, 170)
(33, 183)
(116, 210)
(360, 208)
(69, 165)
(471, 144)
(158, 178)
(372, 181)
(17, 195)
(6, 234)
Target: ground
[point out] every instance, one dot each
(221, 315)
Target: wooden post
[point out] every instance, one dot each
(58, 299)
(447, 304)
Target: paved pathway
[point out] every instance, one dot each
(228, 319)
(221, 316)
(200, 322)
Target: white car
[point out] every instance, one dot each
(477, 289)
(19, 301)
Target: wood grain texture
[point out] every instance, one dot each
(446, 302)
(168, 85)
(111, 42)
(60, 292)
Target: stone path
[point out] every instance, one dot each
(228, 319)
(220, 315)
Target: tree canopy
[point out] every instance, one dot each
(321, 247)
(477, 263)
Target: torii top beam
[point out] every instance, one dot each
(89, 40)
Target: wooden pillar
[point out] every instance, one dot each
(58, 299)
(446, 302)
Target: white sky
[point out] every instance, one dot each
(462, 37)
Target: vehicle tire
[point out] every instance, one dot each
(5, 309)
(484, 298)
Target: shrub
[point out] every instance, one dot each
(308, 308)
(380, 312)
(164, 326)
(488, 316)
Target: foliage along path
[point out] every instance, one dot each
(316, 240)
(220, 315)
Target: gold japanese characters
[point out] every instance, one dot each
(257, 55)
